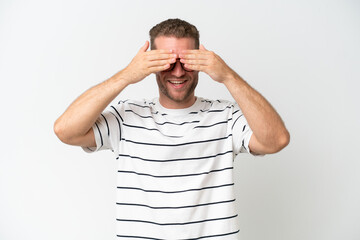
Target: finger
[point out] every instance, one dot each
(194, 51)
(203, 62)
(160, 68)
(145, 47)
(186, 52)
(195, 67)
(194, 55)
(161, 56)
(161, 62)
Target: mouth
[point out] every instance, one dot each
(177, 83)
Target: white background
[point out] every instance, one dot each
(303, 56)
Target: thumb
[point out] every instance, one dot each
(202, 47)
(145, 47)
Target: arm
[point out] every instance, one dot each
(269, 132)
(74, 126)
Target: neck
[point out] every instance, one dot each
(171, 104)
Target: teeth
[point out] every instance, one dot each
(177, 82)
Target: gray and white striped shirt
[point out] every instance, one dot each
(175, 167)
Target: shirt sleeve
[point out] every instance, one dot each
(107, 130)
(241, 131)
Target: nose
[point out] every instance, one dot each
(178, 71)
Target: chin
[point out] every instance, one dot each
(176, 94)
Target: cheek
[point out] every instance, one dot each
(194, 75)
(160, 75)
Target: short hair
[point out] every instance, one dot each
(174, 28)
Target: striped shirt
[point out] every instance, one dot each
(175, 167)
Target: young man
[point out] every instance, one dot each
(175, 153)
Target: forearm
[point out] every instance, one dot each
(268, 128)
(265, 122)
(81, 115)
(74, 125)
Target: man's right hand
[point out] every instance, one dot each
(74, 126)
(147, 62)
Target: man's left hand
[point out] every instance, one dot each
(208, 62)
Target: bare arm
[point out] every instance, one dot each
(74, 126)
(269, 132)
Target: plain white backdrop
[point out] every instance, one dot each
(303, 56)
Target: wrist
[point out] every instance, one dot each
(235, 83)
(231, 78)
(117, 83)
(121, 78)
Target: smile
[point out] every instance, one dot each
(177, 81)
(177, 84)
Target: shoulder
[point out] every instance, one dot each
(217, 104)
(134, 104)
(123, 108)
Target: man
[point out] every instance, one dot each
(175, 153)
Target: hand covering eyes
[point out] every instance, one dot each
(172, 66)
